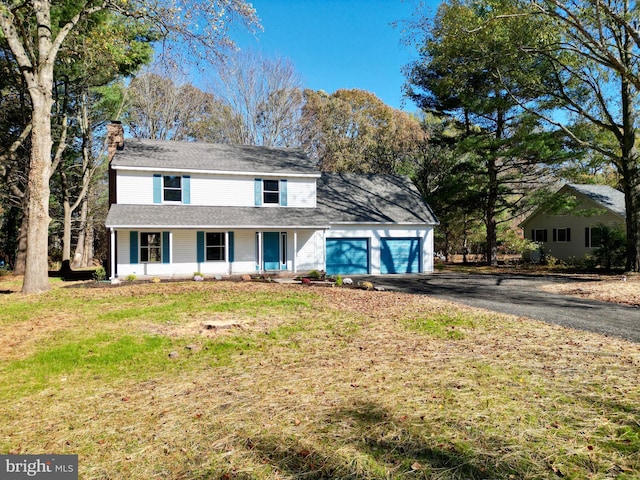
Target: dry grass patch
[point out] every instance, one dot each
(623, 289)
(324, 383)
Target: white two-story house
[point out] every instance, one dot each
(177, 208)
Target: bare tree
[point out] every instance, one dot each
(261, 101)
(163, 106)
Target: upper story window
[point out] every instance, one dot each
(171, 188)
(271, 191)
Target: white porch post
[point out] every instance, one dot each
(226, 251)
(112, 254)
(171, 250)
(259, 252)
(295, 251)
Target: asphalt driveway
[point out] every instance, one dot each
(520, 295)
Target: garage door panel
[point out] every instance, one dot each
(347, 256)
(399, 255)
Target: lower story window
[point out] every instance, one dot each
(562, 235)
(539, 235)
(151, 247)
(215, 246)
(592, 237)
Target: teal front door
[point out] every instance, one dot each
(271, 250)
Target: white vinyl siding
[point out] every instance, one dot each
(301, 193)
(135, 188)
(184, 246)
(224, 191)
(213, 190)
(310, 250)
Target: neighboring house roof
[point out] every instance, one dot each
(603, 195)
(197, 156)
(369, 198)
(195, 216)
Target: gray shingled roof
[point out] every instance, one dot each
(604, 195)
(186, 156)
(194, 216)
(368, 198)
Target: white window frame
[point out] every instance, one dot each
(170, 189)
(219, 246)
(270, 192)
(145, 250)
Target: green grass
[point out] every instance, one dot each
(318, 383)
(443, 325)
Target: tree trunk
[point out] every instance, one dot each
(490, 214)
(21, 250)
(631, 188)
(629, 167)
(36, 275)
(79, 257)
(87, 258)
(66, 223)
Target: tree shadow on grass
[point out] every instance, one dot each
(366, 442)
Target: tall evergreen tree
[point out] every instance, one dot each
(468, 69)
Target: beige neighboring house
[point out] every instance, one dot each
(575, 235)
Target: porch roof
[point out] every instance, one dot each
(194, 216)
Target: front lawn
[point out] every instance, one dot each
(311, 383)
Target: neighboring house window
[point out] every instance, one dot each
(150, 247)
(562, 235)
(214, 246)
(539, 235)
(172, 188)
(271, 191)
(592, 237)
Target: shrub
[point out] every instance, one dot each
(100, 274)
(339, 280)
(612, 251)
(130, 278)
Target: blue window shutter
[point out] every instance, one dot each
(283, 193)
(200, 246)
(186, 189)
(166, 254)
(133, 246)
(258, 191)
(231, 252)
(157, 188)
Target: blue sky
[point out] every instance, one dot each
(339, 43)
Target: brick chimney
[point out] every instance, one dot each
(115, 138)
(115, 141)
